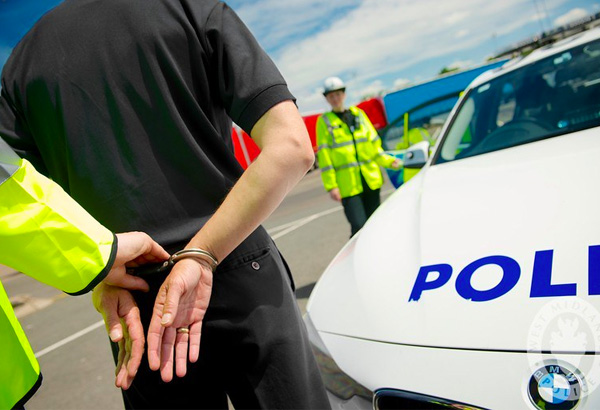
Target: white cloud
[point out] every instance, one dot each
(461, 33)
(456, 17)
(538, 16)
(373, 89)
(365, 41)
(401, 83)
(461, 64)
(570, 16)
(275, 21)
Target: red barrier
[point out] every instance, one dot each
(246, 150)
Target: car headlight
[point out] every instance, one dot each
(336, 381)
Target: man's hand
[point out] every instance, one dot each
(181, 302)
(397, 164)
(134, 249)
(122, 319)
(335, 194)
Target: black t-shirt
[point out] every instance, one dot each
(127, 104)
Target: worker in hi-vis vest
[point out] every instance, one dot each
(45, 234)
(349, 156)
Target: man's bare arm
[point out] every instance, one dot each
(286, 155)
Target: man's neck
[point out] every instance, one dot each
(338, 110)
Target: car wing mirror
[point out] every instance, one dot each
(416, 156)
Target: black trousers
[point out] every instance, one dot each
(254, 345)
(359, 208)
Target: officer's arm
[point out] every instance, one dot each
(324, 156)
(382, 159)
(43, 230)
(45, 234)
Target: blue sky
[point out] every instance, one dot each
(373, 45)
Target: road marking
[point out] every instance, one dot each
(298, 223)
(285, 229)
(69, 339)
(291, 227)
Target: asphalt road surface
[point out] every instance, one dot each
(68, 335)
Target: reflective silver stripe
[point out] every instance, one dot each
(9, 161)
(342, 144)
(377, 138)
(381, 154)
(328, 124)
(361, 120)
(346, 143)
(349, 165)
(320, 147)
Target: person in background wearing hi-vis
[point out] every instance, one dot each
(45, 234)
(349, 155)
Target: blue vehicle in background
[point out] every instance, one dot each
(417, 114)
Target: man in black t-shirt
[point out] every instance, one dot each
(128, 106)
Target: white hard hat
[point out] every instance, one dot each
(333, 84)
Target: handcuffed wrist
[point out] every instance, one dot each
(198, 254)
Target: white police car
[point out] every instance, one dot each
(477, 284)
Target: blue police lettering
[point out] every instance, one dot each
(510, 277)
(421, 284)
(541, 281)
(594, 270)
(541, 285)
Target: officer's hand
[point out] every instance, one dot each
(397, 164)
(181, 302)
(335, 194)
(134, 249)
(122, 319)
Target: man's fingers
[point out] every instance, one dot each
(195, 334)
(132, 245)
(120, 358)
(112, 320)
(166, 355)
(171, 303)
(156, 253)
(181, 353)
(130, 282)
(155, 336)
(136, 340)
(121, 377)
(156, 330)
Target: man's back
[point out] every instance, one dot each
(126, 104)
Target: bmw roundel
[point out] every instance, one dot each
(555, 387)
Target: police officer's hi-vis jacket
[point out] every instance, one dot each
(345, 153)
(47, 235)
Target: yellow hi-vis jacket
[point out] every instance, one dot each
(344, 154)
(47, 235)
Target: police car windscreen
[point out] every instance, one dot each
(551, 97)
